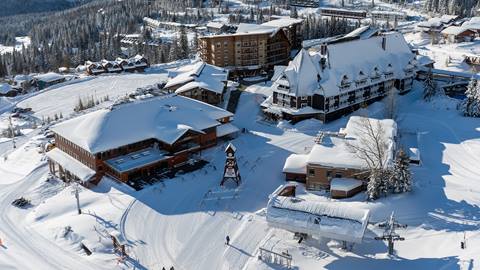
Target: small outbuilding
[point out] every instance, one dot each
(46, 80)
(454, 34)
(345, 187)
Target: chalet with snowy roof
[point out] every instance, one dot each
(141, 63)
(126, 64)
(136, 139)
(111, 66)
(472, 24)
(46, 80)
(252, 49)
(22, 82)
(437, 24)
(341, 76)
(94, 68)
(199, 81)
(455, 34)
(333, 157)
(217, 27)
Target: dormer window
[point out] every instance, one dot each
(345, 83)
(375, 74)
(389, 71)
(362, 79)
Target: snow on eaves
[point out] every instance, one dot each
(332, 220)
(163, 118)
(198, 75)
(347, 60)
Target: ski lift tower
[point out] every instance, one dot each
(231, 171)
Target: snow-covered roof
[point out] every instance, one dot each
(283, 22)
(473, 23)
(301, 75)
(199, 75)
(431, 23)
(164, 118)
(334, 220)
(250, 28)
(454, 30)
(344, 184)
(216, 25)
(137, 159)
(5, 88)
(338, 152)
(448, 18)
(69, 163)
(304, 75)
(22, 78)
(296, 163)
(226, 129)
(277, 72)
(49, 77)
(363, 32)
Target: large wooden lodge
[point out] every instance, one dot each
(339, 77)
(137, 139)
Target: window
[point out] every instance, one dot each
(338, 175)
(304, 98)
(311, 172)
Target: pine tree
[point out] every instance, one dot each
(471, 105)
(183, 43)
(374, 184)
(429, 86)
(401, 179)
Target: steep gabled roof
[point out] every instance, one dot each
(199, 75)
(345, 59)
(302, 74)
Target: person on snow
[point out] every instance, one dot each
(228, 240)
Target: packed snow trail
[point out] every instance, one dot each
(25, 248)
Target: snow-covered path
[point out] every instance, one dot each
(21, 241)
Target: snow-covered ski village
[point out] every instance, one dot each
(240, 134)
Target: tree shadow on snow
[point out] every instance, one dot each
(446, 263)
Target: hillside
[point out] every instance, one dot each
(14, 7)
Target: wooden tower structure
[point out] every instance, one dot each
(231, 171)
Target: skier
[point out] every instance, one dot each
(228, 240)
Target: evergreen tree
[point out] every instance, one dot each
(183, 44)
(471, 105)
(429, 86)
(374, 184)
(400, 179)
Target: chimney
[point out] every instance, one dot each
(384, 42)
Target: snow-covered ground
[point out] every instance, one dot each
(63, 99)
(183, 221)
(446, 56)
(19, 43)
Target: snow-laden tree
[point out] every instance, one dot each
(401, 178)
(372, 147)
(429, 86)
(471, 105)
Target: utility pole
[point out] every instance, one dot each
(389, 233)
(76, 191)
